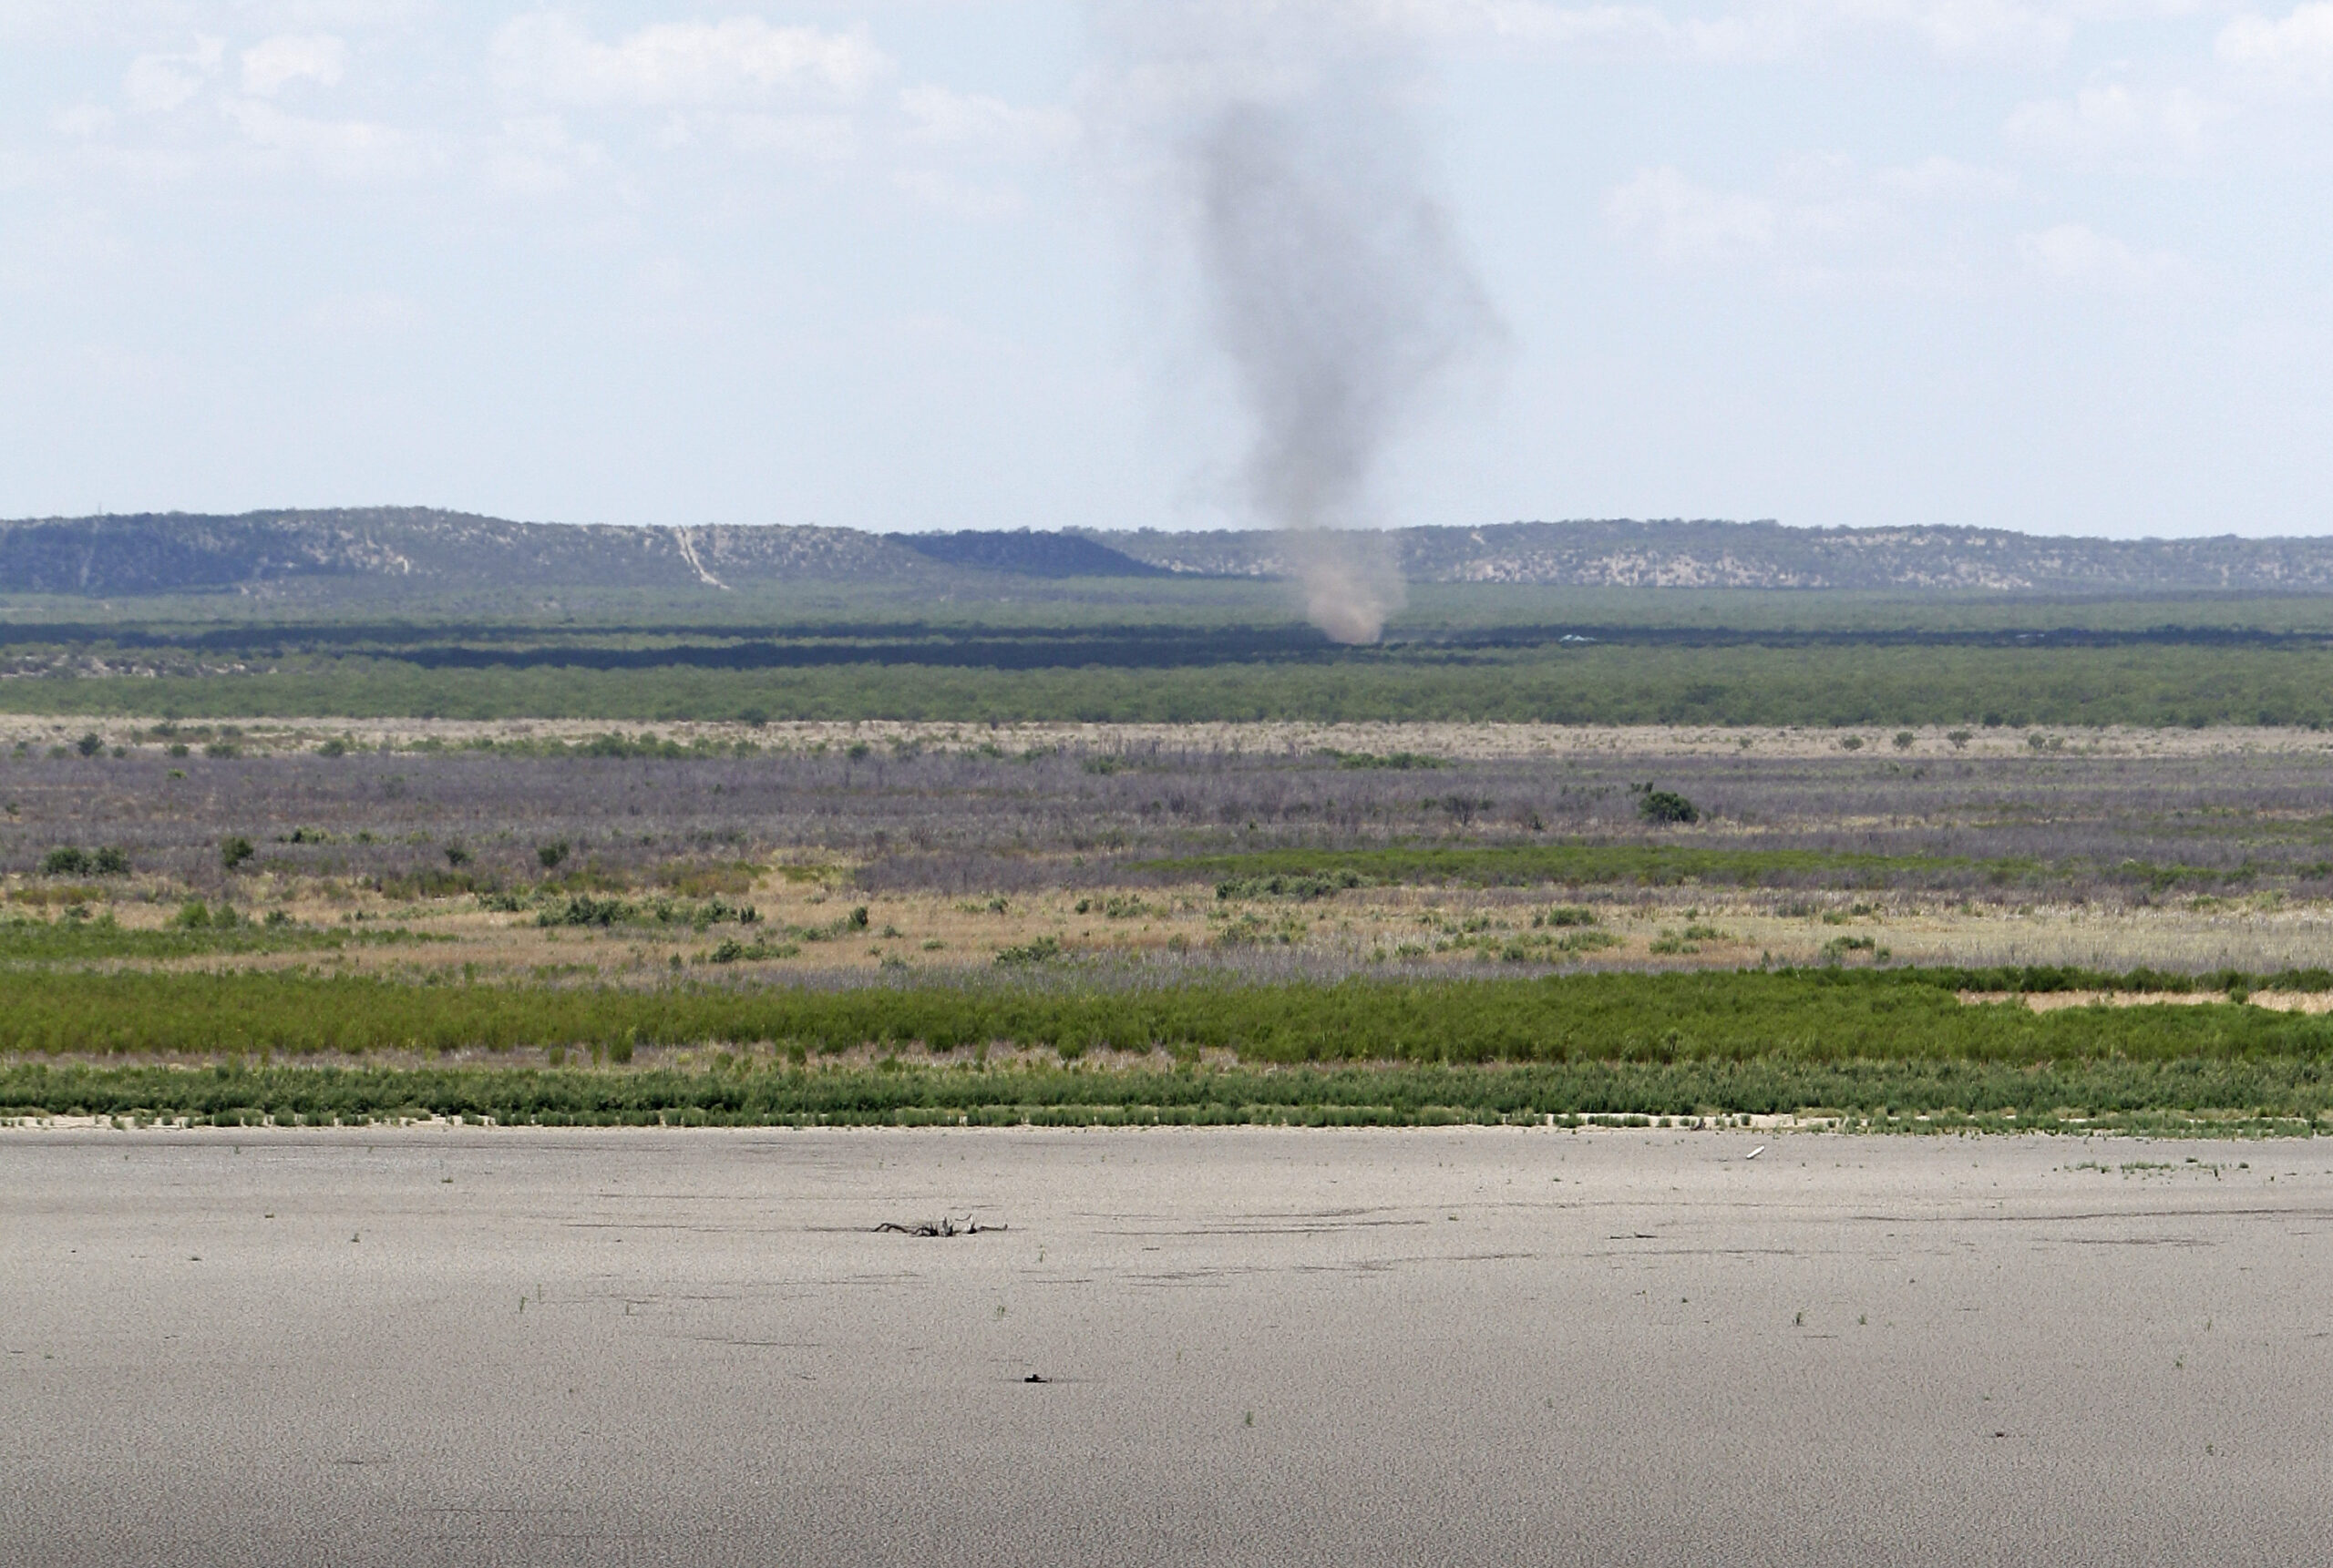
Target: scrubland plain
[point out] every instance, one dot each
(920, 901)
(1416, 1145)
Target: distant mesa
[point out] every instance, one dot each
(378, 550)
(1702, 553)
(1023, 553)
(389, 552)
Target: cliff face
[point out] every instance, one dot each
(176, 552)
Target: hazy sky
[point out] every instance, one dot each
(2059, 265)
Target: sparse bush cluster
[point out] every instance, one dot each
(1120, 907)
(67, 860)
(1401, 761)
(730, 951)
(584, 909)
(1291, 884)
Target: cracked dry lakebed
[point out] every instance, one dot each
(446, 1345)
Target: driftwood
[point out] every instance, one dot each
(942, 1227)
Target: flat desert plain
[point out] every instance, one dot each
(440, 1346)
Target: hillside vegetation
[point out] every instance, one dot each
(393, 550)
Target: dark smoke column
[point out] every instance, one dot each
(1332, 279)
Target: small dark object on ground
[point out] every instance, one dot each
(942, 1227)
(1034, 1377)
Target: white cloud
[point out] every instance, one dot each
(1968, 30)
(937, 115)
(818, 138)
(276, 62)
(738, 61)
(2115, 124)
(671, 276)
(369, 316)
(82, 120)
(1623, 28)
(1768, 30)
(1826, 222)
(534, 155)
(1940, 178)
(1684, 222)
(959, 199)
(2301, 45)
(341, 150)
(2075, 254)
(156, 84)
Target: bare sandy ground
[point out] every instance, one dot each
(1270, 1347)
(2057, 1001)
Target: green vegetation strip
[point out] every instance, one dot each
(2282, 1095)
(1813, 1016)
(1605, 684)
(67, 941)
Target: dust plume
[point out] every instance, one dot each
(1292, 180)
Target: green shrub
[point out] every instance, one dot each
(1398, 761)
(1665, 808)
(582, 909)
(1282, 885)
(68, 860)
